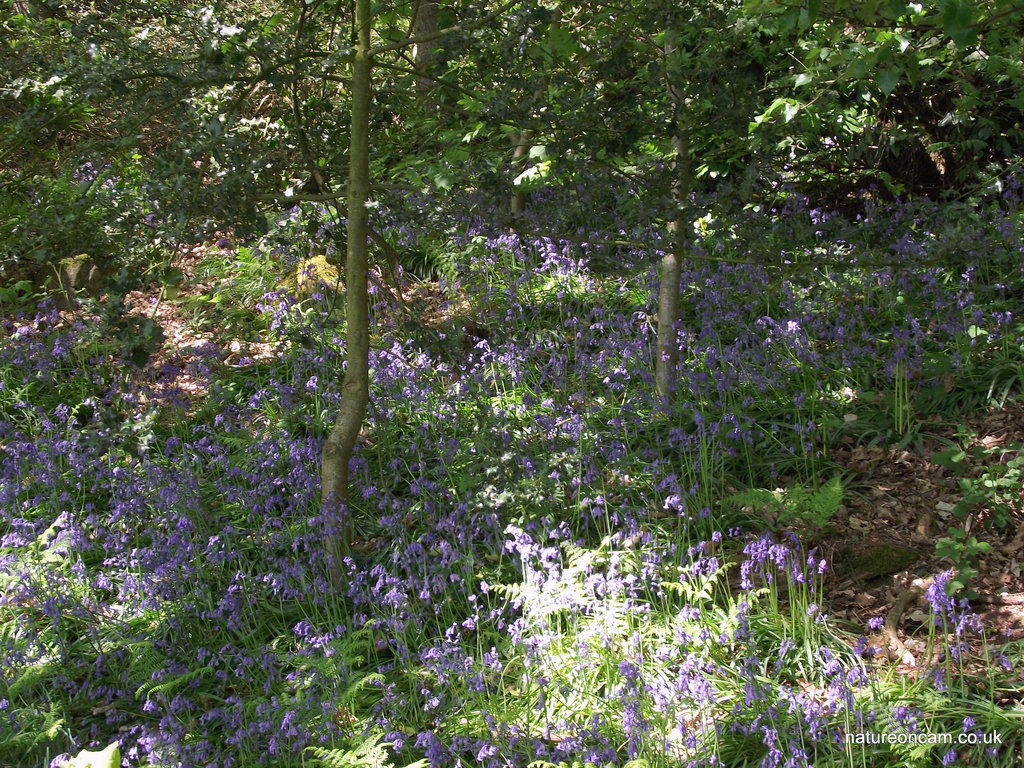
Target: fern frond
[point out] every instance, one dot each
(758, 498)
(368, 753)
(145, 661)
(152, 687)
(350, 693)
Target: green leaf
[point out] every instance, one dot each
(533, 176)
(789, 20)
(813, 10)
(951, 458)
(172, 276)
(978, 547)
(472, 134)
(888, 79)
(956, 22)
(867, 10)
(457, 155)
(561, 41)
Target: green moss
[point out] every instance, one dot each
(75, 262)
(312, 274)
(77, 275)
(873, 560)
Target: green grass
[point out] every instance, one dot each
(647, 609)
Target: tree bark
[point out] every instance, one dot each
(666, 377)
(521, 148)
(36, 9)
(425, 25)
(337, 451)
(522, 141)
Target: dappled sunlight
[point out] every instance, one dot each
(548, 564)
(511, 385)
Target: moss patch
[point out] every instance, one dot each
(313, 275)
(873, 560)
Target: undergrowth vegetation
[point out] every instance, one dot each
(551, 568)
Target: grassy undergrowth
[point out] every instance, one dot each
(552, 569)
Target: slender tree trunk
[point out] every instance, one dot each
(334, 474)
(316, 184)
(523, 140)
(666, 375)
(424, 24)
(521, 148)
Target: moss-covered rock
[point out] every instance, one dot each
(65, 281)
(313, 275)
(78, 276)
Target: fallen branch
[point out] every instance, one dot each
(910, 595)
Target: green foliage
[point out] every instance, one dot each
(906, 94)
(18, 294)
(964, 551)
(170, 683)
(813, 507)
(135, 131)
(433, 262)
(241, 276)
(991, 481)
(367, 752)
(39, 727)
(598, 668)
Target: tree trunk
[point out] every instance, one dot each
(36, 9)
(334, 470)
(425, 23)
(521, 148)
(523, 140)
(667, 361)
(666, 376)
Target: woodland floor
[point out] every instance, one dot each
(901, 501)
(898, 500)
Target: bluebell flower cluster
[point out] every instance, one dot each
(543, 571)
